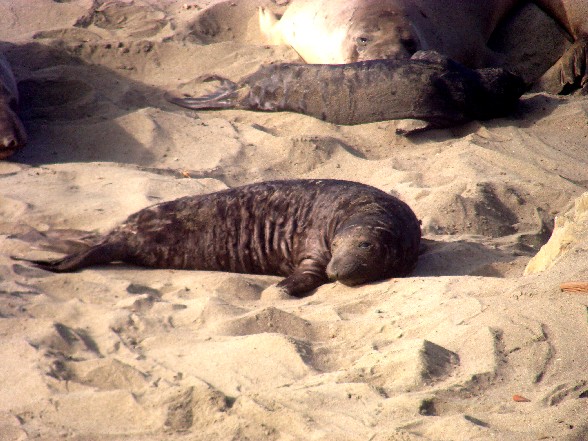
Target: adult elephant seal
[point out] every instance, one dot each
(346, 31)
(342, 31)
(427, 87)
(12, 133)
(307, 230)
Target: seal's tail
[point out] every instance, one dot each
(96, 255)
(225, 97)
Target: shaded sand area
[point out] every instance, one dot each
(119, 352)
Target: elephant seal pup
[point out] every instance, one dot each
(12, 132)
(427, 87)
(345, 31)
(307, 230)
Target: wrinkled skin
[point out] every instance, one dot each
(304, 230)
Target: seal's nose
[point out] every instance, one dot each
(9, 142)
(331, 274)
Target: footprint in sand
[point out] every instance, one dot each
(73, 343)
(69, 35)
(11, 209)
(571, 390)
(309, 153)
(130, 20)
(10, 427)
(405, 367)
(268, 320)
(223, 22)
(107, 374)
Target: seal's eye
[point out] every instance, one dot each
(364, 245)
(362, 41)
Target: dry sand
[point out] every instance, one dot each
(119, 352)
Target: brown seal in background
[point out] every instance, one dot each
(309, 231)
(428, 87)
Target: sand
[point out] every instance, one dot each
(469, 347)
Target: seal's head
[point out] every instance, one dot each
(378, 32)
(365, 253)
(12, 133)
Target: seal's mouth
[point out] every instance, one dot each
(348, 272)
(332, 273)
(12, 133)
(347, 280)
(6, 152)
(354, 282)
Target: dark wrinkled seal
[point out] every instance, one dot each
(309, 231)
(428, 87)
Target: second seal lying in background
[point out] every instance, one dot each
(427, 87)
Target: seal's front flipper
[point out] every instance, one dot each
(300, 283)
(570, 72)
(573, 64)
(224, 97)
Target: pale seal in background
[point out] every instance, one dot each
(342, 31)
(345, 31)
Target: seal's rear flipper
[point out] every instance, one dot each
(225, 97)
(99, 254)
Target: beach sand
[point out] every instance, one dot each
(469, 347)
